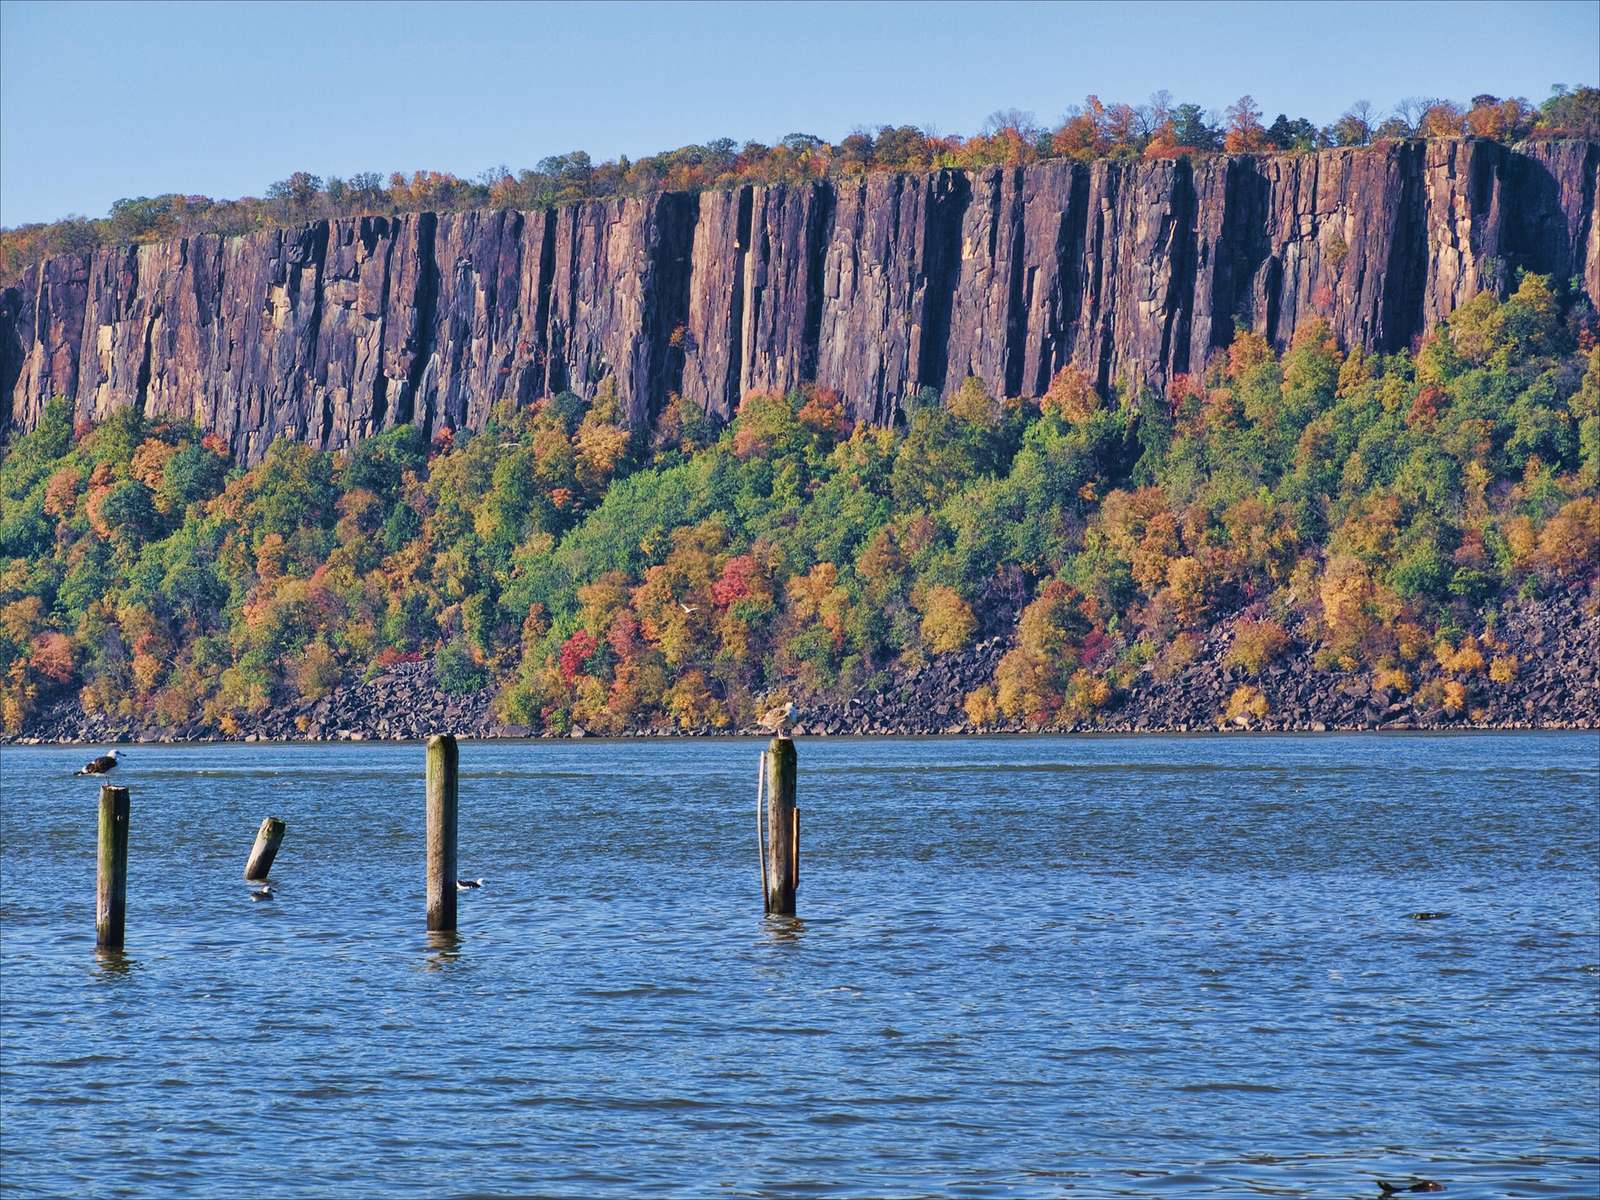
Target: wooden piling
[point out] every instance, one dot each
(266, 848)
(443, 762)
(111, 874)
(783, 828)
(761, 825)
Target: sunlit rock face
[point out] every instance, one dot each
(876, 287)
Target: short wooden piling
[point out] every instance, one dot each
(265, 850)
(111, 874)
(443, 762)
(783, 828)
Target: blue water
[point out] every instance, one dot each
(1043, 967)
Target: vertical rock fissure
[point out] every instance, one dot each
(1272, 287)
(1406, 274)
(1583, 240)
(1240, 250)
(1104, 260)
(819, 232)
(1016, 304)
(319, 260)
(141, 386)
(996, 190)
(1179, 301)
(423, 310)
(1485, 179)
(753, 296)
(665, 318)
(130, 302)
(947, 198)
(1056, 342)
(453, 352)
(534, 373)
(370, 227)
(11, 354)
(556, 371)
(736, 330)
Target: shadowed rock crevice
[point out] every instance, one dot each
(1016, 291)
(142, 383)
(947, 201)
(669, 309)
(1407, 266)
(1239, 254)
(537, 345)
(1180, 285)
(742, 237)
(819, 229)
(373, 231)
(419, 345)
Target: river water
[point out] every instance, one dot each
(1030, 967)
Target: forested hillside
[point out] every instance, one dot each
(1373, 510)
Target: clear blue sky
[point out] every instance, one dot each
(104, 100)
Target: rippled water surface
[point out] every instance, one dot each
(1041, 967)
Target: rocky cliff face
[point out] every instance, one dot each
(1133, 271)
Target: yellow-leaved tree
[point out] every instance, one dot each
(947, 620)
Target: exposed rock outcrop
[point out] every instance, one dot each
(876, 287)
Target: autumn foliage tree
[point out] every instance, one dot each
(1246, 134)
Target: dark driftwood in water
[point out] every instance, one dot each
(111, 874)
(443, 762)
(265, 850)
(783, 828)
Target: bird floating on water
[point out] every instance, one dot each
(779, 719)
(103, 765)
(1421, 1185)
(264, 892)
(466, 885)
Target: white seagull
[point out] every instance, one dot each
(688, 609)
(779, 719)
(103, 765)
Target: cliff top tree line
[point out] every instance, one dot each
(1157, 129)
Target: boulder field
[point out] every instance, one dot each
(1556, 641)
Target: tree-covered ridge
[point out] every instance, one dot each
(1160, 128)
(620, 579)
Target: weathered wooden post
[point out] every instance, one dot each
(111, 874)
(783, 828)
(443, 761)
(266, 848)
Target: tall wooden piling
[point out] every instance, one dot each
(783, 828)
(111, 873)
(443, 762)
(265, 850)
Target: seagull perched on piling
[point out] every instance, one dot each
(103, 765)
(779, 719)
